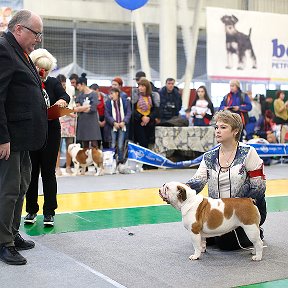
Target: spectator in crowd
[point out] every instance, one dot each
(135, 97)
(170, 100)
(155, 90)
(231, 170)
(253, 114)
(266, 128)
(68, 130)
(141, 74)
(117, 115)
(280, 108)
(202, 108)
(21, 99)
(145, 113)
(268, 103)
(237, 101)
(88, 128)
(44, 160)
(73, 81)
(101, 113)
(117, 82)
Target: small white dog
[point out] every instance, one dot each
(83, 158)
(207, 217)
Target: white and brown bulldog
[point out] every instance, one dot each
(83, 158)
(207, 217)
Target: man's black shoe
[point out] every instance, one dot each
(48, 221)
(30, 218)
(21, 244)
(10, 256)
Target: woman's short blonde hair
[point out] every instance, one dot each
(43, 59)
(232, 119)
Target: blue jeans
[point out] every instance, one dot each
(199, 122)
(119, 137)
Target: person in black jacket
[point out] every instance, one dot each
(145, 114)
(45, 159)
(23, 127)
(170, 100)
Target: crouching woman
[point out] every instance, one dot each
(233, 169)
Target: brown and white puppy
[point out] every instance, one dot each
(83, 158)
(207, 217)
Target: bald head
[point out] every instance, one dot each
(21, 17)
(27, 28)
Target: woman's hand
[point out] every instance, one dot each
(116, 125)
(102, 123)
(122, 124)
(145, 120)
(84, 109)
(61, 103)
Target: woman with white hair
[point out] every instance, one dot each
(237, 101)
(45, 159)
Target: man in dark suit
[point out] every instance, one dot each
(23, 127)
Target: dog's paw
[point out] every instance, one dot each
(256, 258)
(253, 252)
(228, 67)
(194, 257)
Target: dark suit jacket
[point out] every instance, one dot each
(55, 92)
(23, 112)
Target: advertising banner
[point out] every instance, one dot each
(246, 45)
(7, 9)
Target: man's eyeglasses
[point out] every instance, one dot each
(38, 35)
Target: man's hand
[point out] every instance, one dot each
(236, 108)
(5, 151)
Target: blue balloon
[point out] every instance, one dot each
(131, 4)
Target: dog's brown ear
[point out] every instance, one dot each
(182, 193)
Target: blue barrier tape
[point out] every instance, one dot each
(143, 155)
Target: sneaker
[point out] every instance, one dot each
(11, 256)
(48, 220)
(22, 244)
(30, 218)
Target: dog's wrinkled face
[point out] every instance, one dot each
(174, 193)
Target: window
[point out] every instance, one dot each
(218, 91)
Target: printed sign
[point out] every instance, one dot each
(246, 45)
(7, 9)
